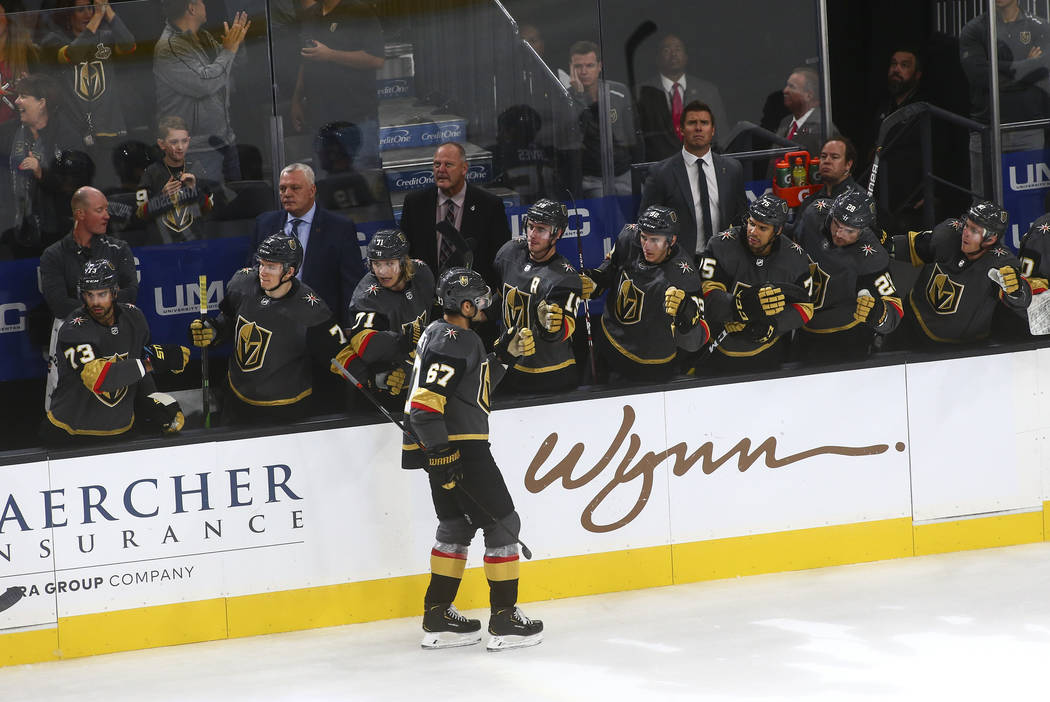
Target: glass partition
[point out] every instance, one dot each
(185, 126)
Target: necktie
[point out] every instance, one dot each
(705, 202)
(447, 247)
(794, 128)
(295, 227)
(676, 110)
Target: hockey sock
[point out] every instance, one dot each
(447, 563)
(501, 569)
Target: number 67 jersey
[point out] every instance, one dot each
(451, 380)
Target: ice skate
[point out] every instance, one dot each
(445, 627)
(510, 628)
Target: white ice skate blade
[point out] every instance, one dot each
(449, 639)
(505, 643)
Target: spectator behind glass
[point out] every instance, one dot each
(47, 164)
(170, 196)
(342, 50)
(1022, 61)
(585, 66)
(88, 38)
(192, 70)
(17, 55)
(660, 112)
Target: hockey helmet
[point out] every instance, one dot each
(98, 274)
(854, 208)
(990, 216)
(548, 211)
(769, 209)
(281, 248)
(458, 285)
(387, 244)
(658, 219)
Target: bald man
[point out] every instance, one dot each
(62, 262)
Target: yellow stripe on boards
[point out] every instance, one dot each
(333, 605)
(29, 647)
(792, 550)
(147, 627)
(980, 532)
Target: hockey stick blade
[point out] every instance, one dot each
(10, 597)
(458, 242)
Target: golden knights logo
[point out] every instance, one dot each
(943, 293)
(90, 80)
(629, 301)
(484, 388)
(516, 306)
(251, 344)
(112, 399)
(820, 284)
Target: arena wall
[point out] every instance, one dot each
(218, 540)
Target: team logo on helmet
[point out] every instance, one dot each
(629, 301)
(943, 293)
(251, 346)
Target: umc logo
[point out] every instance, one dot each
(12, 318)
(1036, 177)
(187, 298)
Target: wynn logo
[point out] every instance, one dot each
(634, 468)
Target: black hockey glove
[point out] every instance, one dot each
(168, 358)
(756, 302)
(410, 333)
(761, 331)
(444, 464)
(164, 410)
(870, 310)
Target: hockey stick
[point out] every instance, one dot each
(630, 46)
(458, 242)
(412, 435)
(10, 597)
(203, 295)
(586, 302)
(902, 115)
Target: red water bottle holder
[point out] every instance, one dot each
(795, 194)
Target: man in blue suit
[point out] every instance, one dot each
(333, 263)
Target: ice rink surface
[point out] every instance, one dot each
(965, 626)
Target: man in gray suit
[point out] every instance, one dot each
(662, 99)
(802, 98)
(705, 189)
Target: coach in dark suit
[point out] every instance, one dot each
(477, 215)
(332, 265)
(676, 183)
(666, 93)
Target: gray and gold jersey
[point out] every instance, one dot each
(452, 378)
(953, 299)
(275, 340)
(100, 372)
(525, 284)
